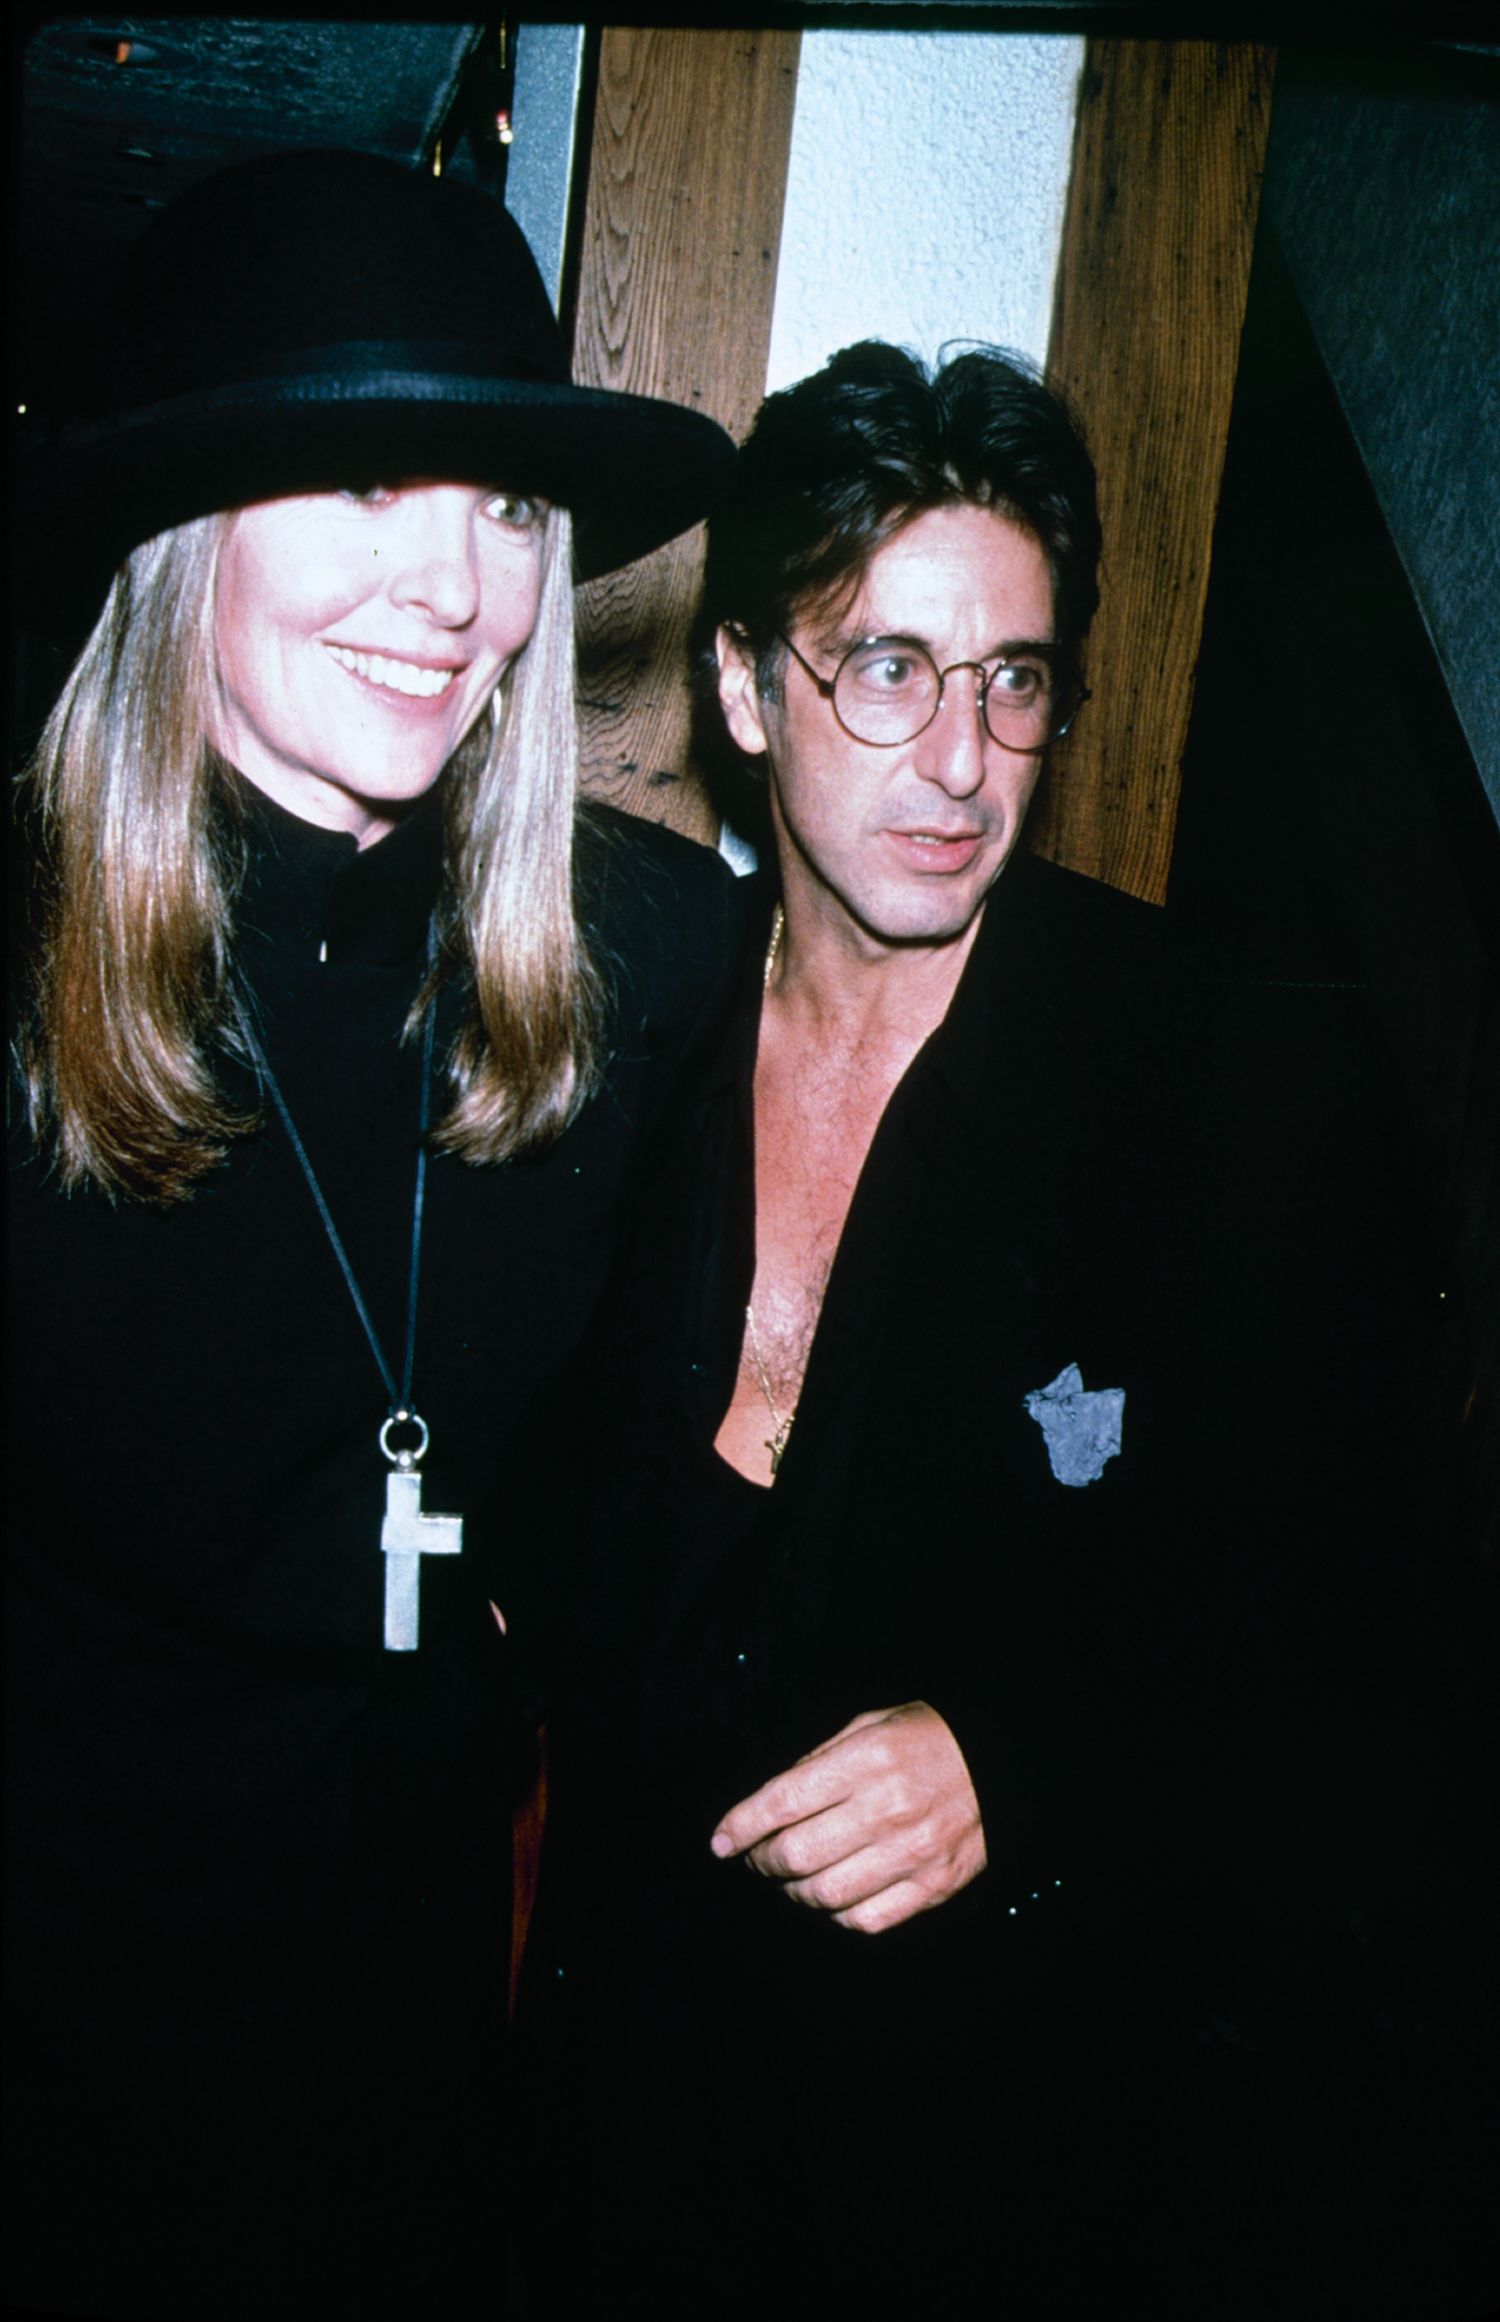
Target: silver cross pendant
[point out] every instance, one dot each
(407, 1535)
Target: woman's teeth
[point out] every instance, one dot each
(400, 676)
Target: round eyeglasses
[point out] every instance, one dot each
(888, 690)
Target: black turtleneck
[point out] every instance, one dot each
(257, 1865)
(311, 895)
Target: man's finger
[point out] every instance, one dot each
(857, 1878)
(799, 1850)
(810, 1787)
(890, 1906)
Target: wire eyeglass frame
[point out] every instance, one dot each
(828, 688)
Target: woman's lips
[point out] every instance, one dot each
(418, 682)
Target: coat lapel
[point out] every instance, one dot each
(967, 1166)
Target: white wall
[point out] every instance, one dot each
(925, 194)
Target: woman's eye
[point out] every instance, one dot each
(517, 510)
(366, 495)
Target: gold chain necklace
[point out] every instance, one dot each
(778, 921)
(781, 1428)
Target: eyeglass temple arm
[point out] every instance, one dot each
(825, 685)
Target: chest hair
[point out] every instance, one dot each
(816, 1114)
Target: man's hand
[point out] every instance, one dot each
(874, 1826)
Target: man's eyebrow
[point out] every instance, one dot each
(844, 639)
(1047, 647)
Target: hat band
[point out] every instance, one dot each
(469, 358)
(331, 389)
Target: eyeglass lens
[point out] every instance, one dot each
(887, 691)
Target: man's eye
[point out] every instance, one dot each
(1019, 681)
(886, 671)
(518, 511)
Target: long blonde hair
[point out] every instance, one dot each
(130, 1008)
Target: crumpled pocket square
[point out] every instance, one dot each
(1080, 1426)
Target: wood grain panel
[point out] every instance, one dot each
(1150, 300)
(692, 130)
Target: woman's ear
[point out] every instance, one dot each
(739, 696)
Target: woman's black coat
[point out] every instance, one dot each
(257, 1867)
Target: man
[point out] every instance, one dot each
(912, 1580)
(902, 700)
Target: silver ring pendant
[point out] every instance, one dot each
(404, 1419)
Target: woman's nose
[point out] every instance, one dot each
(437, 569)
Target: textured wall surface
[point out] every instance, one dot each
(539, 176)
(1384, 190)
(925, 198)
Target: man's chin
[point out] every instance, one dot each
(932, 924)
(932, 911)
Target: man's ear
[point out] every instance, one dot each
(739, 696)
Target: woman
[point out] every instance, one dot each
(333, 1053)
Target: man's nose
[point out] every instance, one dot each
(437, 562)
(951, 751)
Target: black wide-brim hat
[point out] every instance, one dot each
(308, 321)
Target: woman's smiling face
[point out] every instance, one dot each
(360, 634)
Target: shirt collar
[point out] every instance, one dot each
(1008, 990)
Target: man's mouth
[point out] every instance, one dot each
(400, 676)
(944, 853)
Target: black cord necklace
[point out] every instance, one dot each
(407, 1535)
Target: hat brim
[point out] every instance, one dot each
(634, 471)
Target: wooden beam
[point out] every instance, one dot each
(1150, 300)
(687, 179)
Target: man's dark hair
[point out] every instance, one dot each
(838, 464)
